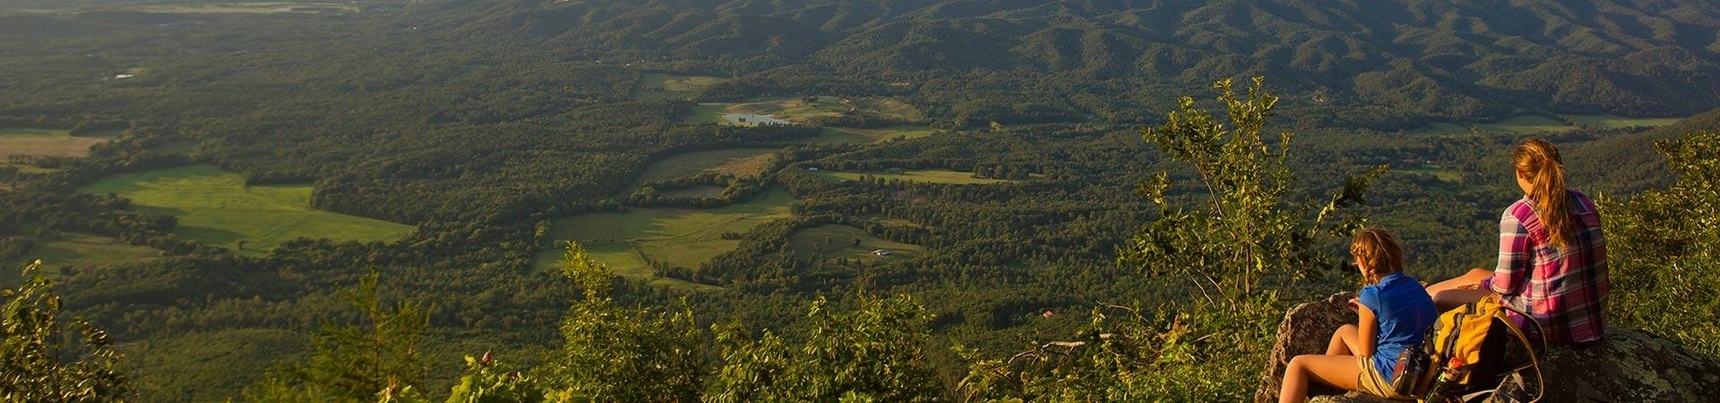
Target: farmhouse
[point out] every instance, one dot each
(881, 252)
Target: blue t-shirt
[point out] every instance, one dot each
(1404, 312)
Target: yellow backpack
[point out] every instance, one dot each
(1463, 355)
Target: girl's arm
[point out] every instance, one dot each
(1368, 330)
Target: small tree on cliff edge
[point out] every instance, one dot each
(1245, 232)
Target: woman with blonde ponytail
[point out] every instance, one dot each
(1552, 257)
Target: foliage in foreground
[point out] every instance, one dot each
(354, 362)
(39, 358)
(1664, 265)
(1235, 249)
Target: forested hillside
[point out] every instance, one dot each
(1378, 63)
(237, 191)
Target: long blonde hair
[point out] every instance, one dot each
(1379, 250)
(1538, 162)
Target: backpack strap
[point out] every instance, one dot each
(1534, 361)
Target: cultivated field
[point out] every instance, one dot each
(837, 241)
(659, 86)
(926, 176)
(1535, 124)
(680, 237)
(215, 207)
(46, 142)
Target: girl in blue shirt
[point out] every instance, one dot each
(1393, 313)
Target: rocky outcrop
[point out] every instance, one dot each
(1306, 329)
(1628, 366)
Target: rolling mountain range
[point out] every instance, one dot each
(1459, 59)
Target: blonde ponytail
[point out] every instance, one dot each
(1538, 162)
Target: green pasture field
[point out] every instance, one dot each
(1536, 124)
(740, 162)
(798, 110)
(927, 176)
(47, 142)
(834, 241)
(215, 207)
(659, 86)
(707, 113)
(81, 251)
(849, 135)
(246, 8)
(678, 236)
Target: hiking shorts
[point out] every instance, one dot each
(1369, 380)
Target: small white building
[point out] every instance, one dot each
(881, 252)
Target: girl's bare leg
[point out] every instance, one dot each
(1337, 370)
(1344, 341)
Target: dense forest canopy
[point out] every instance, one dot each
(738, 161)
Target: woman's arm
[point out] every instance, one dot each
(1368, 330)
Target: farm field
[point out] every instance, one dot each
(215, 207)
(47, 142)
(740, 162)
(926, 176)
(849, 135)
(1533, 124)
(677, 236)
(801, 110)
(834, 241)
(659, 86)
(81, 251)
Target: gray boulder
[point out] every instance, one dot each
(1629, 365)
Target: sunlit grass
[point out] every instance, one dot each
(677, 236)
(215, 207)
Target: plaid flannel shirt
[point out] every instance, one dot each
(1564, 289)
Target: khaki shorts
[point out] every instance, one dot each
(1370, 381)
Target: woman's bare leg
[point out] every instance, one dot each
(1337, 370)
